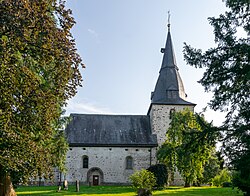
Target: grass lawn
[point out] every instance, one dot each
(126, 191)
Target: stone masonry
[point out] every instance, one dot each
(107, 162)
(160, 119)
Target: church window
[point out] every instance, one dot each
(85, 163)
(129, 162)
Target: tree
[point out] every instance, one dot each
(227, 75)
(188, 145)
(161, 174)
(143, 181)
(211, 169)
(39, 69)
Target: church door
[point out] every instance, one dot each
(95, 180)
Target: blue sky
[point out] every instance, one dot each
(120, 41)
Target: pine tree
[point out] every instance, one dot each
(227, 75)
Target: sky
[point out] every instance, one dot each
(120, 41)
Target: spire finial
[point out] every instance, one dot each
(168, 20)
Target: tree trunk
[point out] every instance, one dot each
(187, 182)
(6, 187)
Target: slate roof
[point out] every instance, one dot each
(169, 88)
(110, 130)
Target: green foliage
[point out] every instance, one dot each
(227, 184)
(190, 141)
(39, 69)
(227, 75)
(161, 174)
(241, 182)
(221, 160)
(222, 177)
(143, 179)
(211, 169)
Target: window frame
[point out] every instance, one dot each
(129, 162)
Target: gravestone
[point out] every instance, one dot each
(77, 186)
(65, 185)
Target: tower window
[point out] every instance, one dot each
(85, 161)
(129, 162)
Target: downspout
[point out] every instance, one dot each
(150, 158)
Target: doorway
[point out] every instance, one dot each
(95, 176)
(95, 180)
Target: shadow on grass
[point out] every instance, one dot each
(174, 187)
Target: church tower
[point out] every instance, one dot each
(169, 94)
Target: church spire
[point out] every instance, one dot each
(168, 21)
(168, 51)
(169, 88)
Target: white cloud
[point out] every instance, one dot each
(93, 32)
(86, 107)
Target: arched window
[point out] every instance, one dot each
(129, 162)
(85, 161)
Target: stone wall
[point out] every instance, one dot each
(160, 122)
(160, 119)
(109, 163)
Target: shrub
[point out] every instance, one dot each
(223, 176)
(216, 181)
(143, 181)
(242, 183)
(227, 184)
(161, 174)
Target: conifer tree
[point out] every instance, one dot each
(227, 76)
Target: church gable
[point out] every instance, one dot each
(110, 130)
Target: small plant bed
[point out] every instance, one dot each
(125, 191)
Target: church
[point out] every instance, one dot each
(107, 149)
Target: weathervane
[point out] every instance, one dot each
(168, 20)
